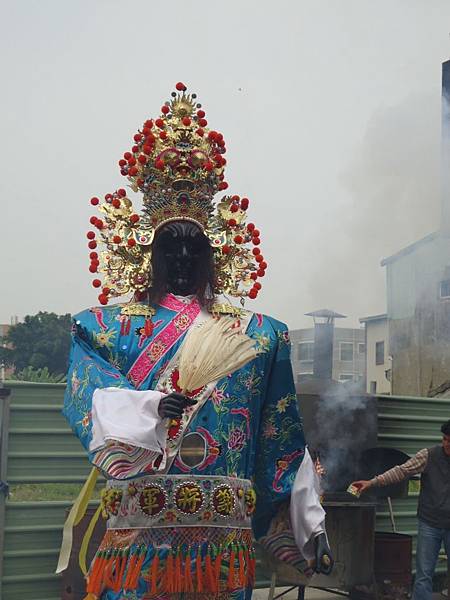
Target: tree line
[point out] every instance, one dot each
(38, 348)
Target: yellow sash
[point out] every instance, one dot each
(75, 515)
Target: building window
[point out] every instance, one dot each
(379, 353)
(373, 387)
(306, 351)
(361, 348)
(346, 351)
(445, 289)
(346, 377)
(302, 376)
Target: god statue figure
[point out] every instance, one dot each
(193, 476)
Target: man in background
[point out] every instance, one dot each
(433, 509)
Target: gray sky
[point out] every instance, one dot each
(330, 110)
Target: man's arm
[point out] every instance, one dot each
(411, 467)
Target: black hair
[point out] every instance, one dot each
(445, 429)
(205, 273)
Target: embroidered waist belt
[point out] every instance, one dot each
(179, 500)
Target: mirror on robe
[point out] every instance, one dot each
(193, 450)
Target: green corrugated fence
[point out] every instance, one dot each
(42, 450)
(409, 424)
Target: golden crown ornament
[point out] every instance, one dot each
(177, 163)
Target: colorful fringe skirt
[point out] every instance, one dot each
(173, 535)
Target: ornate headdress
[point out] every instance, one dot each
(178, 165)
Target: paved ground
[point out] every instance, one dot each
(311, 594)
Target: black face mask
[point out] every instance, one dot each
(181, 249)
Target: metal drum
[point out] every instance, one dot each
(392, 564)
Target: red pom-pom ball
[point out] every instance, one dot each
(103, 299)
(117, 239)
(165, 110)
(180, 87)
(252, 294)
(131, 242)
(244, 203)
(96, 283)
(90, 235)
(94, 201)
(134, 218)
(186, 121)
(159, 123)
(133, 171)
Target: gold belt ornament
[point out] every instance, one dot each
(182, 500)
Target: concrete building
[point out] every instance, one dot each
(348, 362)
(378, 361)
(418, 301)
(418, 293)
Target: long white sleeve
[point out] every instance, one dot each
(127, 416)
(306, 512)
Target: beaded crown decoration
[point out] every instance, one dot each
(177, 163)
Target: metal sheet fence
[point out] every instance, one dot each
(41, 449)
(409, 424)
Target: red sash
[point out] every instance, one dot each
(165, 339)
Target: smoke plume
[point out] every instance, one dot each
(392, 200)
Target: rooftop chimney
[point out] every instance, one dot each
(323, 342)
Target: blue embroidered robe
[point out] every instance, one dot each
(251, 420)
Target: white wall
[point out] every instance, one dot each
(377, 331)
